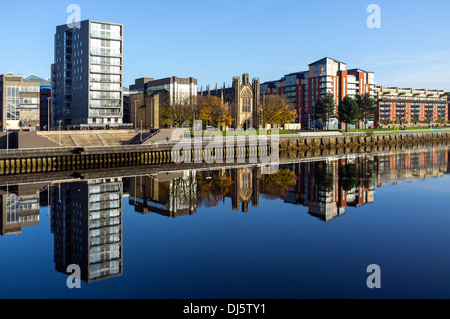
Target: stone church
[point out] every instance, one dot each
(242, 99)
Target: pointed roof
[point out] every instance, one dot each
(324, 59)
(35, 78)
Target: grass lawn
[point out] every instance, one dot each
(398, 129)
(244, 133)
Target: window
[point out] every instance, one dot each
(246, 104)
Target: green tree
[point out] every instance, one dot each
(349, 176)
(325, 108)
(323, 176)
(348, 111)
(367, 108)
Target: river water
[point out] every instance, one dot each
(300, 230)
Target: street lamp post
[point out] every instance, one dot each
(7, 137)
(141, 130)
(135, 114)
(59, 129)
(48, 113)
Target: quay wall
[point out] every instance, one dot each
(46, 160)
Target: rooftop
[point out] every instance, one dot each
(324, 59)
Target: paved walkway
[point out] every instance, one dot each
(319, 134)
(162, 136)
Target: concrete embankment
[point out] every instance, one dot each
(26, 161)
(340, 141)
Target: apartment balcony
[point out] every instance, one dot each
(99, 223)
(106, 112)
(105, 104)
(105, 240)
(106, 79)
(105, 70)
(106, 88)
(105, 35)
(106, 52)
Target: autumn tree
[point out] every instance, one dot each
(213, 111)
(276, 110)
(176, 113)
(275, 186)
(211, 191)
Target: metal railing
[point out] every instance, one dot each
(38, 151)
(150, 136)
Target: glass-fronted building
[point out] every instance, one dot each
(19, 102)
(87, 75)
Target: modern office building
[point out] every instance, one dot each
(147, 97)
(19, 103)
(87, 75)
(411, 106)
(327, 75)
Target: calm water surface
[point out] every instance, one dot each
(308, 230)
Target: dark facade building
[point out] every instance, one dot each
(126, 107)
(44, 114)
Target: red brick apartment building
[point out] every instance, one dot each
(411, 106)
(327, 75)
(395, 105)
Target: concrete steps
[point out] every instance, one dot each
(87, 140)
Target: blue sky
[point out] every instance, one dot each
(214, 40)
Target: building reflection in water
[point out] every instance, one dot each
(19, 207)
(181, 193)
(325, 187)
(328, 187)
(167, 194)
(87, 221)
(87, 216)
